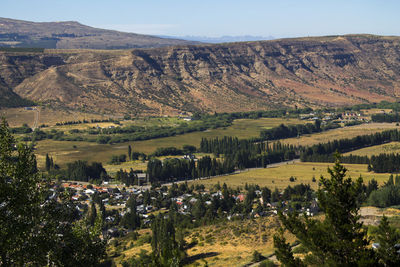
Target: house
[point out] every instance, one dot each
(185, 196)
(313, 209)
(190, 156)
(376, 245)
(240, 197)
(110, 219)
(217, 194)
(142, 178)
(89, 191)
(113, 232)
(149, 208)
(193, 201)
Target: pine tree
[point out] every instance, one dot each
(338, 240)
(131, 220)
(48, 163)
(92, 214)
(166, 250)
(129, 152)
(388, 238)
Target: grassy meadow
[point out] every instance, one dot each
(340, 133)
(392, 147)
(279, 176)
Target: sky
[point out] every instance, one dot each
(214, 18)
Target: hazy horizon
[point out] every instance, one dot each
(219, 18)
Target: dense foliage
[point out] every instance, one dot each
(388, 195)
(37, 230)
(181, 169)
(385, 117)
(82, 171)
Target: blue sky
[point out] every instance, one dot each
(279, 18)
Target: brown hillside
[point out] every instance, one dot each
(325, 71)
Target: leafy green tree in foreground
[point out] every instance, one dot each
(35, 230)
(339, 239)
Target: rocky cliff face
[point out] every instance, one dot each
(325, 71)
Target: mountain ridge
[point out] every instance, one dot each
(74, 35)
(312, 72)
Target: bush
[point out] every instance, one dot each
(102, 139)
(167, 151)
(257, 256)
(300, 249)
(118, 159)
(267, 263)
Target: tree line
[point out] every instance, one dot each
(385, 117)
(282, 131)
(181, 169)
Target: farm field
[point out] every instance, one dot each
(242, 128)
(392, 147)
(279, 176)
(126, 166)
(340, 133)
(371, 111)
(68, 151)
(18, 116)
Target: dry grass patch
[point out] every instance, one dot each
(229, 243)
(18, 116)
(279, 176)
(340, 133)
(392, 147)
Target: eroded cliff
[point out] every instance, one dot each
(323, 71)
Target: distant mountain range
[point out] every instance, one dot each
(222, 39)
(73, 35)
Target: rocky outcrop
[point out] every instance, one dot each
(324, 71)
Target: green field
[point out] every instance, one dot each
(68, 151)
(279, 176)
(392, 147)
